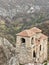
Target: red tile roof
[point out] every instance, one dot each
(43, 36)
(29, 32)
(35, 29)
(26, 33)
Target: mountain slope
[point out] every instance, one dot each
(12, 7)
(45, 27)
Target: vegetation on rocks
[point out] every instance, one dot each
(9, 29)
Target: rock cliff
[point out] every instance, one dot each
(10, 55)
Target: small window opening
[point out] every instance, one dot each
(34, 54)
(22, 40)
(32, 41)
(40, 47)
(39, 40)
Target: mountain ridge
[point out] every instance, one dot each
(12, 7)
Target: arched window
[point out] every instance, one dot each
(32, 41)
(34, 54)
(22, 40)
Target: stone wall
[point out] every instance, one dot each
(27, 41)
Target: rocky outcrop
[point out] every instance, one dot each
(10, 55)
(3, 59)
(7, 53)
(24, 55)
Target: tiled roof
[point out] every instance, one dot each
(35, 30)
(29, 32)
(43, 36)
(26, 33)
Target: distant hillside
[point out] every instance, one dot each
(9, 28)
(13, 7)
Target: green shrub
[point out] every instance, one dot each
(45, 63)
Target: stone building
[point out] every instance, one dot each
(35, 40)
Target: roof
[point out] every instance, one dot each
(35, 30)
(26, 33)
(43, 36)
(29, 32)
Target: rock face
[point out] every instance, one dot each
(24, 55)
(7, 53)
(10, 55)
(2, 57)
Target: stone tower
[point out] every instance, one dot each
(34, 40)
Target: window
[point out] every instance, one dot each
(40, 47)
(34, 54)
(32, 41)
(38, 40)
(22, 40)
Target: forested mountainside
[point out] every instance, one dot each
(9, 29)
(13, 8)
(45, 27)
(17, 15)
